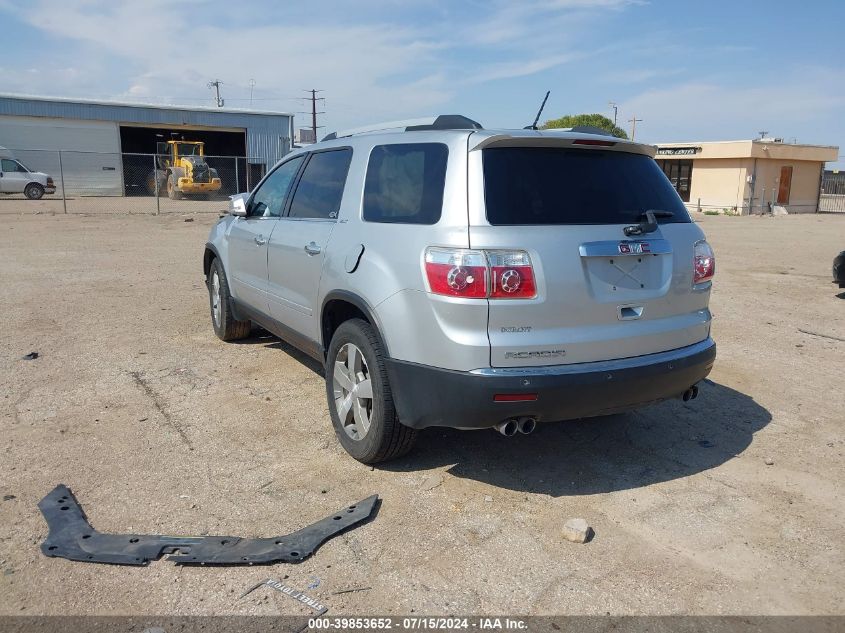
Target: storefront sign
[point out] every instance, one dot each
(677, 151)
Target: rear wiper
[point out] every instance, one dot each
(650, 225)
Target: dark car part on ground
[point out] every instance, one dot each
(72, 537)
(839, 269)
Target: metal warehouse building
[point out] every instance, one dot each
(105, 144)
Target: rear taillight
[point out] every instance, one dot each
(511, 275)
(476, 274)
(456, 272)
(704, 263)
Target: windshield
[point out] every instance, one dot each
(188, 149)
(540, 185)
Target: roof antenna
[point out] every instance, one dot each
(533, 126)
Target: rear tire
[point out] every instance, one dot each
(33, 191)
(359, 396)
(226, 326)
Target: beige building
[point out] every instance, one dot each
(746, 176)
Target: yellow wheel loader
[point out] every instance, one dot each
(181, 170)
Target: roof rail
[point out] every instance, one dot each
(441, 122)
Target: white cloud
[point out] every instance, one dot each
(150, 51)
(793, 107)
(507, 70)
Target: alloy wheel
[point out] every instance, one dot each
(216, 308)
(353, 391)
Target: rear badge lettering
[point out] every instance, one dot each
(545, 353)
(634, 248)
(517, 329)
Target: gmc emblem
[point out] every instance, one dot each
(634, 248)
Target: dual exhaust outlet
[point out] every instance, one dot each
(527, 424)
(511, 426)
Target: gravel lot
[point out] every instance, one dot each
(159, 427)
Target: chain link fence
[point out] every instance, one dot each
(51, 181)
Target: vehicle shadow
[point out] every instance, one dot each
(270, 341)
(667, 441)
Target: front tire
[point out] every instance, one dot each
(34, 191)
(359, 396)
(172, 188)
(226, 326)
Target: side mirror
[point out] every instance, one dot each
(237, 204)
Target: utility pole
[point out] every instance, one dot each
(763, 134)
(633, 123)
(314, 99)
(615, 107)
(216, 85)
(251, 88)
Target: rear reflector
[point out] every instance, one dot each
(514, 397)
(593, 141)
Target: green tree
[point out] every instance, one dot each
(593, 120)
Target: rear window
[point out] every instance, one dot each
(405, 183)
(534, 185)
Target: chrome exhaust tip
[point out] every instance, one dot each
(526, 425)
(508, 428)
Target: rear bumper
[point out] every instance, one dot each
(427, 396)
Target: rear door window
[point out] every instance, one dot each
(405, 183)
(540, 185)
(320, 188)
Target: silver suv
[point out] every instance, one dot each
(448, 275)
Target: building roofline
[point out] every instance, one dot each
(127, 104)
(741, 140)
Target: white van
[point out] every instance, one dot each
(15, 177)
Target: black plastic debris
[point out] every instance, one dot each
(31, 356)
(72, 537)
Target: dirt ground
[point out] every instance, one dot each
(95, 205)
(159, 427)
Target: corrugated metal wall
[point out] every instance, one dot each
(267, 133)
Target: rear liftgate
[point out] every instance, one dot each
(72, 537)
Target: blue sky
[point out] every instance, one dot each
(710, 70)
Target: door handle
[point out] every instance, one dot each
(260, 240)
(312, 248)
